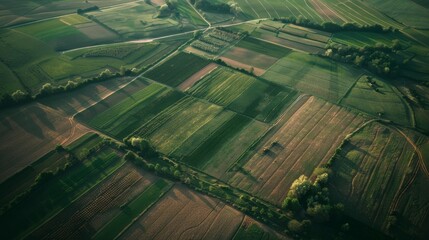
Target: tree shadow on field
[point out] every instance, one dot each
(24, 120)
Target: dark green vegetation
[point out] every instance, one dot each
(56, 187)
(177, 69)
(226, 108)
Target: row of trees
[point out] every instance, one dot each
(334, 27)
(209, 6)
(47, 89)
(379, 59)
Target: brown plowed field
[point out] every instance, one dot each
(184, 214)
(29, 132)
(306, 139)
(87, 215)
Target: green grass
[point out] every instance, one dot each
(313, 75)
(243, 93)
(177, 69)
(55, 194)
(387, 101)
(133, 209)
(132, 112)
(263, 47)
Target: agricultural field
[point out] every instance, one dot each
(406, 12)
(138, 20)
(376, 97)
(58, 189)
(124, 116)
(214, 42)
(314, 75)
(177, 69)
(40, 64)
(183, 208)
(243, 94)
(22, 12)
(68, 32)
(30, 133)
(304, 139)
(289, 41)
(214, 119)
(378, 174)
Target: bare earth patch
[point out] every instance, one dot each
(197, 76)
(29, 132)
(236, 64)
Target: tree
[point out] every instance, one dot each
(291, 204)
(19, 96)
(319, 212)
(300, 187)
(295, 226)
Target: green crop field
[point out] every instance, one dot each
(133, 209)
(181, 118)
(384, 102)
(40, 203)
(369, 39)
(320, 77)
(379, 163)
(244, 94)
(129, 114)
(404, 11)
(177, 69)
(214, 119)
(263, 47)
(138, 20)
(63, 35)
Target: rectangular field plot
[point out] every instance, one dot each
(314, 75)
(177, 69)
(128, 114)
(55, 190)
(97, 211)
(243, 93)
(138, 20)
(305, 138)
(377, 173)
(63, 35)
(378, 98)
(289, 41)
(184, 214)
(264, 48)
(171, 127)
(280, 8)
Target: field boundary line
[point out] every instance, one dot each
(74, 200)
(350, 89)
(143, 212)
(199, 14)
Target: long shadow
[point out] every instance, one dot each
(24, 121)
